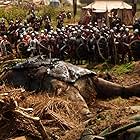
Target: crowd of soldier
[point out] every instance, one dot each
(93, 41)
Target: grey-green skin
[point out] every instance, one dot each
(88, 134)
(94, 85)
(127, 132)
(37, 74)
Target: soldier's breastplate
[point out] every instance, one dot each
(33, 44)
(3, 46)
(91, 42)
(78, 42)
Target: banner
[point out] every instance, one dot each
(74, 7)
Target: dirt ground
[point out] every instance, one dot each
(116, 112)
(129, 78)
(62, 118)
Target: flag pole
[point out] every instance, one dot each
(74, 9)
(107, 18)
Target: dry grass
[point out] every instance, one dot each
(62, 117)
(112, 114)
(58, 115)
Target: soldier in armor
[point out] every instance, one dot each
(60, 22)
(69, 15)
(3, 29)
(33, 45)
(3, 49)
(11, 27)
(136, 25)
(47, 24)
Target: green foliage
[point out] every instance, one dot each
(123, 69)
(20, 12)
(117, 69)
(138, 6)
(13, 12)
(55, 11)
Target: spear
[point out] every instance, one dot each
(74, 8)
(134, 2)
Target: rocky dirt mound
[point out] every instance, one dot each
(125, 74)
(59, 116)
(113, 113)
(130, 78)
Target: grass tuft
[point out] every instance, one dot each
(123, 69)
